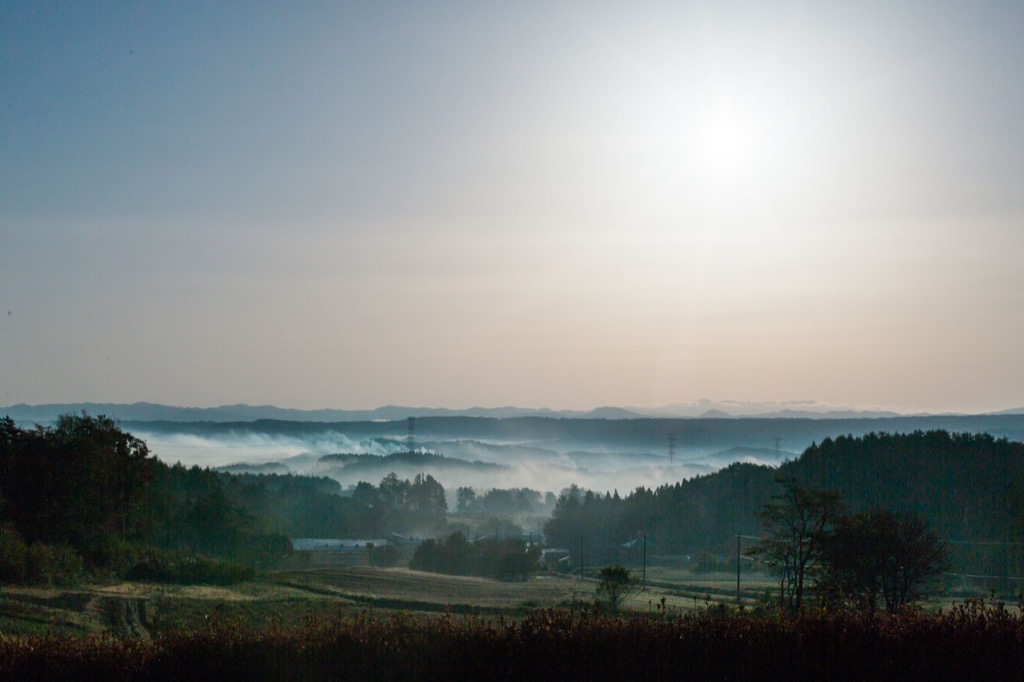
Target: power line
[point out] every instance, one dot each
(984, 578)
(985, 543)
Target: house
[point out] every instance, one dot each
(556, 559)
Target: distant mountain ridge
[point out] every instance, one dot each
(152, 412)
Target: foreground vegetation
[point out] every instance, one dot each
(371, 623)
(974, 641)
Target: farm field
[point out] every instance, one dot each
(290, 597)
(373, 623)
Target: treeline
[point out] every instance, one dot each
(503, 502)
(300, 506)
(967, 488)
(489, 557)
(349, 464)
(83, 496)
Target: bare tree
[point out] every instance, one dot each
(798, 521)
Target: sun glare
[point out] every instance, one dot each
(727, 145)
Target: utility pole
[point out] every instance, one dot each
(644, 583)
(581, 558)
(739, 593)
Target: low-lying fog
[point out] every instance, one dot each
(480, 464)
(544, 454)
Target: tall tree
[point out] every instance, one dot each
(464, 499)
(798, 521)
(881, 555)
(426, 495)
(84, 481)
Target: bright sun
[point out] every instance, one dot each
(727, 145)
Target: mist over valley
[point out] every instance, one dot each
(547, 454)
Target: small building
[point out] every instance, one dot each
(333, 552)
(333, 544)
(555, 558)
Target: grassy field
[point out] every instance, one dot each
(291, 597)
(371, 623)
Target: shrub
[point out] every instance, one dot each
(38, 563)
(385, 556)
(13, 557)
(108, 553)
(164, 567)
(53, 564)
(615, 585)
(506, 559)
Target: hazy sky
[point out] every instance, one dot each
(348, 204)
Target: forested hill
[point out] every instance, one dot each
(969, 488)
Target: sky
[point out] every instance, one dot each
(543, 204)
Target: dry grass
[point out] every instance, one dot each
(398, 584)
(975, 642)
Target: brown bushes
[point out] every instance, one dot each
(975, 641)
